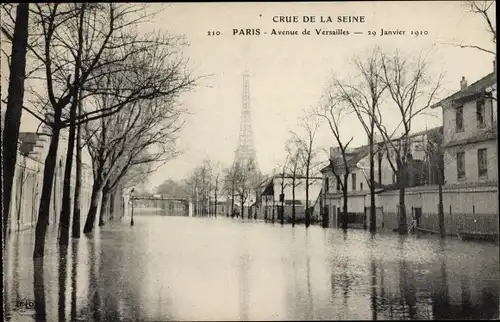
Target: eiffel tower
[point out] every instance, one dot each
(245, 152)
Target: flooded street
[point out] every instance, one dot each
(181, 268)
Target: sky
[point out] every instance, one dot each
(289, 73)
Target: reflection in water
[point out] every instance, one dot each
(310, 308)
(94, 290)
(243, 277)
(74, 262)
(441, 298)
(169, 268)
(39, 290)
(406, 282)
(373, 272)
(63, 261)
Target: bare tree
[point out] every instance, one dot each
(75, 229)
(205, 174)
(13, 111)
(484, 10)
(217, 171)
(333, 112)
(192, 183)
(134, 168)
(143, 132)
(199, 185)
(412, 92)
(231, 180)
(294, 169)
(364, 98)
(435, 155)
(245, 176)
(283, 184)
(229, 186)
(308, 156)
(75, 45)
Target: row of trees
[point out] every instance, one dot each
(301, 165)
(111, 88)
(210, 181)
(396, 85)
(385, 84)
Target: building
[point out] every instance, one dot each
(470, 192)
(470, 133)
(270, 191)
(463, 152)
(420, 171)
(28, 179)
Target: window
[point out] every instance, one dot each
(482, 163)
(361, 186)
(460, 165)
(338, 185)
(480, 113)
(459, 119)
(353, 177)
(327, 184)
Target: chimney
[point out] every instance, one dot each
(463, 83)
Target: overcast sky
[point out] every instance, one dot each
(289, 73)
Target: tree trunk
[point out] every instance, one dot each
(293, 201)
(75, 233)
(65, 216)
(21, 191)
(215, 197)
(112, 202)
(48, 180)
(373, 214)
(344, 207)
(232, 199)
(308, 215)
(13, 110)
(104, 207)
(402, 224)
(440, 202)
(282, 207)
(242, 214)
(274, 206)
(94, 204)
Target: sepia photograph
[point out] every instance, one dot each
(249, 161)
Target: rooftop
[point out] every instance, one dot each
(361, 152)
(470, 91)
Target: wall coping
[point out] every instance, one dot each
(455, 189)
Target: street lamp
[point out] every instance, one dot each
(132, 200)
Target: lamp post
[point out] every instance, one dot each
(132, 200)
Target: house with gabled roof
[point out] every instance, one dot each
(270, 196)
(420, 172)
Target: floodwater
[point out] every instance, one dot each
(180, 268)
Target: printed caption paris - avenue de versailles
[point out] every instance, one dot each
(320, 25)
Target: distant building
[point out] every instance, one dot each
(269, 200)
